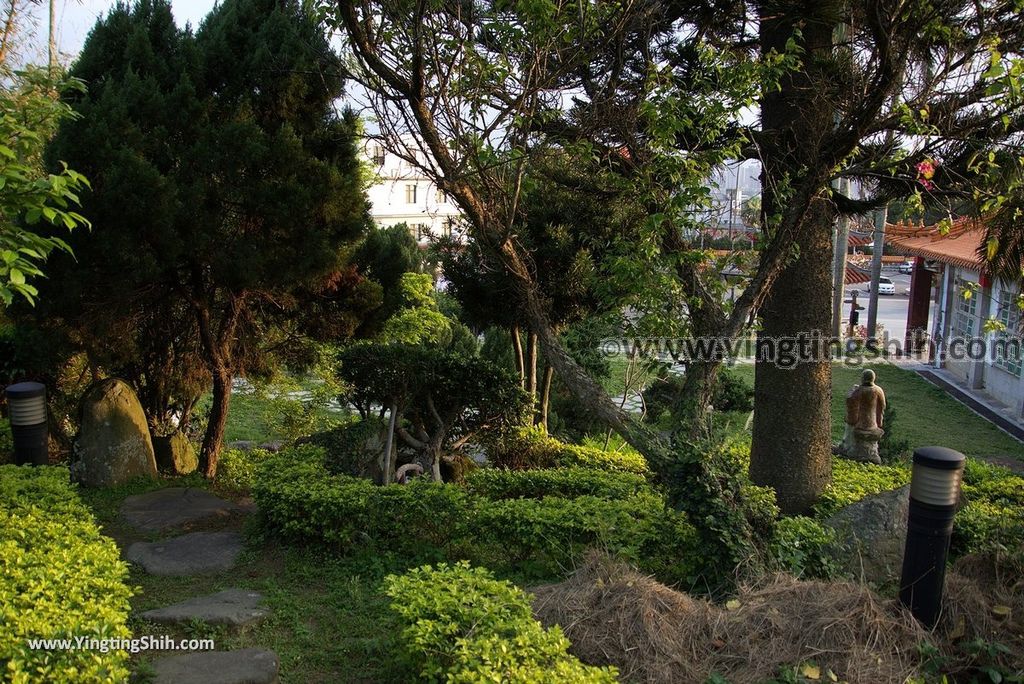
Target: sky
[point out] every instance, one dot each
(76, 17)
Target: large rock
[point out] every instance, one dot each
(246, 666)
(113, 444)
(165, 508)
(190, 554)
(871, 535)
(231, 607)
(175, 454)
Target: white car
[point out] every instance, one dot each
(885, 286)
(906, 267)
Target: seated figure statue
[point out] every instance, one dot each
(865, 404)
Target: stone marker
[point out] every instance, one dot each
(113, 444)
(175, 454)
(174, 506)
(231, 607)
(871, 535)
(190, 554)
(865, 404)
(245, 666)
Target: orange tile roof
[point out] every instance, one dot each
(959, 246)
(856, 276)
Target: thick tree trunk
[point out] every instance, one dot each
(214, 437)
(517, 348)
(545, 396)
(791, 450)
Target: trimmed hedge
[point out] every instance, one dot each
(493, 483)
(236, 468)
(59, 579)
(459, 624)
(529, 448)
(428, 520)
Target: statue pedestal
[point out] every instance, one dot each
(861, 444)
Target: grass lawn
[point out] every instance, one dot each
(925, 415)
(623, 373)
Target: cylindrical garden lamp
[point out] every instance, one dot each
(27, 405)
(934, 494)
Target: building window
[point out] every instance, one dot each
(446, 229)
(410, 194)
(439, 196)
(965, 310)
(377, 154)
(422, 231)
(1006, 345)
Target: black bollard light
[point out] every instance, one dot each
(27, 404)
(934, 493)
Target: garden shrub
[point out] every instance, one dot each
(59, 579)
(527, 448)
(992, 509)
(346, 447)
(803, 547)
(460, 624)
(494, 483)
(236, 469)
(428, 520)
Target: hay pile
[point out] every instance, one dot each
(652, 633)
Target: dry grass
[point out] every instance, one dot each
(613, 614)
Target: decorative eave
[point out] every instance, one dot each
(959, 246)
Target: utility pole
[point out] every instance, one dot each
(842, 233)
(877, 249)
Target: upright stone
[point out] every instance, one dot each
(175, 454)
(113, 444)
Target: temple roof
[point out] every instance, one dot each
(959, 246)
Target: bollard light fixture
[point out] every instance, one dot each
(26, 403)
(934, 493)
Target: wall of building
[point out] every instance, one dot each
(402, 194)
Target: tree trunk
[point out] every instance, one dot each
(791, 450)
(389, 443)
(517, 347)
(695, 398)
(531, 366)
(214, 437)
(545, 396)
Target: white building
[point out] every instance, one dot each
(403, 194)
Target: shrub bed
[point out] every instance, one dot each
(59, 579)
(494, 483)
(431, 521)
(527, 448)
(459, 624)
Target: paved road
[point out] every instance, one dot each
(892, 309)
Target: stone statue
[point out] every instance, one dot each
(865, 404)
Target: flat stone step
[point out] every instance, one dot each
(172, 507)
(231, 607)
(195, 553)
(245, 666)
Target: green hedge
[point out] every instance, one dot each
(495, 483)
(59, 579)
(459, 624)
(528, 448)
(236, 468)
(431, 521)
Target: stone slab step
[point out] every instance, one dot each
(245, 666)
(195, 553)
(172, 507)
(231, 607)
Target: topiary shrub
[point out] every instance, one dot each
(59, 579)
(531, 447)
(492, 483)
(459, 624)
(852, 481)
(992, 509)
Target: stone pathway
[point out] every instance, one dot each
(198, 553)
